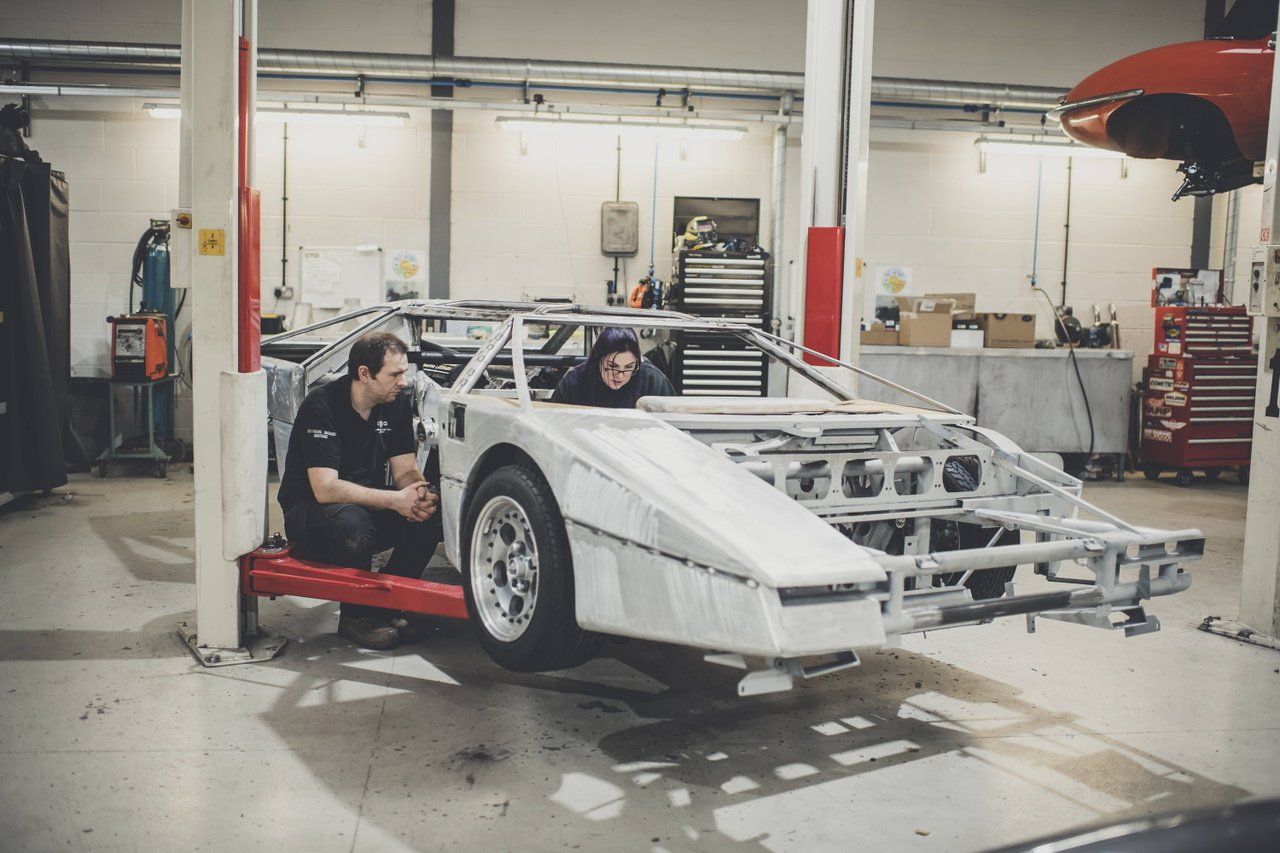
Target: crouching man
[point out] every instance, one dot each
(337, 506)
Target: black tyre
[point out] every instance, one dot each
(1184, 477)
(1151, 472)
(1212, 474)
(517, 575)
(960, 474)
(1242, 474)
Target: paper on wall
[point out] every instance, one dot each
(341, 277)
(890, 281)
(405, 273)
(321, 272)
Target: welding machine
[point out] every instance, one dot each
(139, 347)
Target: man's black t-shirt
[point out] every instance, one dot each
(327, 433)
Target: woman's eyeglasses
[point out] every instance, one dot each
(621, 371)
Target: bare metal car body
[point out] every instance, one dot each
(794, 530)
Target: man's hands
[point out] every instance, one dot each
(416, 502)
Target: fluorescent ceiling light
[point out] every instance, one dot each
(299, 116)
(1045, 148)
(342, 116)
(521, 123)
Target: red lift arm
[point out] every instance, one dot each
(273, 571)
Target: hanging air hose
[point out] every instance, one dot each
(648, 292)
(1054, 312)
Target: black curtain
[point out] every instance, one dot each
(35, 333)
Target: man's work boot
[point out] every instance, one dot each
(368, 632)
(409, 627)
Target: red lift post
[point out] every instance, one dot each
(268, 572)
(824, 292)
(249, 303)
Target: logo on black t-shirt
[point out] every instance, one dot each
(382, 426)
(322, 433)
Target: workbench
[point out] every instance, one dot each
(1030, 395)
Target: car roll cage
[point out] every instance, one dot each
(1105, 546)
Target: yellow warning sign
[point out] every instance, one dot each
(213, 241)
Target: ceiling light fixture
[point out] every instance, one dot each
(522, 123)
(296, 115)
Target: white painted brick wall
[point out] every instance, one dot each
(960, 230)
(528, 223)
(122, 166)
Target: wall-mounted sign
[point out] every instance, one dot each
(213, 241)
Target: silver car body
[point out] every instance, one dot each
(759, 527)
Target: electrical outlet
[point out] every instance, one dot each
(1264, 282)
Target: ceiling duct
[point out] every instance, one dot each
(534, 72)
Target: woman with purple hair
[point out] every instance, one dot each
(614, 375)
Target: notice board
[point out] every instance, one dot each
(337, 276)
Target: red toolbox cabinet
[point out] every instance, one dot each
(1197, 412)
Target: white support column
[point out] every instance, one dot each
(858, 129)
(215, 50)
(820, 139)
(1260, 573)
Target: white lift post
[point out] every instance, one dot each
(833, 151)
(1259, 621)
(229, 424)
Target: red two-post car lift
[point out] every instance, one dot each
(273, 570)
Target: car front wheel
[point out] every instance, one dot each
(518, 575)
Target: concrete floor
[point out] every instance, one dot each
(112, 738)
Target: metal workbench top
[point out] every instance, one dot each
(1030, 395)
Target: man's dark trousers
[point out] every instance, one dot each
(349, 535)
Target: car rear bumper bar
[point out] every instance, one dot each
(1096, 101)
(1127, 566)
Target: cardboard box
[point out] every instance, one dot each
(879, 336)
(924, 322)
(1008, 331)
(964, 303)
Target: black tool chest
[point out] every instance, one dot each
(731, 286)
